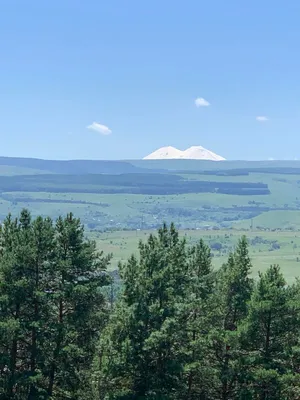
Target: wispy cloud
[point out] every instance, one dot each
(200, 102)
(99, 128)
(262, 118)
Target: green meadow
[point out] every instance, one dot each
(120, 202)
(266, 248)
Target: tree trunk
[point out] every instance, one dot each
(33, 357)
(225, 380)
(191, 374)
(13, 360)
(56, 351)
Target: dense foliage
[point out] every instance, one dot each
(51, 309)
(178, 329)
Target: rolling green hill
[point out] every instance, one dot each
(285, 220)
(141, 194)
(266, 248)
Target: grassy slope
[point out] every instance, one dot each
(284, 190)
(123, 244)
(111, 209)
(273, 220)
(128, 207)
(130, 210)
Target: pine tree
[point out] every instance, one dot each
(51, 307)
(268, 335)
(237, 285)
(25, 245)
(234, 288)
(11, 297)
(78, 275)
(43, 245)
(199, 310)
(143, 355)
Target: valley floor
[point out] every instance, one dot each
(266, 248)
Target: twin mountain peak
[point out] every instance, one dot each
(192, 153)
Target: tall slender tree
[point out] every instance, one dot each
(78, 304)
(199, 307)
(51, 307)
(142, 355)
(269, 334)
(25, 246)
(234, 288)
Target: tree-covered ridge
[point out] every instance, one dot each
(75, 167)
(130, 183)
(177, 330)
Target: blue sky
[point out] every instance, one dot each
(136, 67)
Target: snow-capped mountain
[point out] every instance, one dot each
(192, 153)
(164, 153)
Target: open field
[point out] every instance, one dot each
(120, 202)
(121, 195)
(266, 248)
(100, 211)
(285, 220)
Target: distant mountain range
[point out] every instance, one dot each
(192, 153)
(17, 166)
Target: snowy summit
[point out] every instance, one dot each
(192, 153)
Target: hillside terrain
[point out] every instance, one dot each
(266, 248)
(141, 194)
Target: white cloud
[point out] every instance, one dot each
(102, 129)
(200, 102)
(262, 118)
